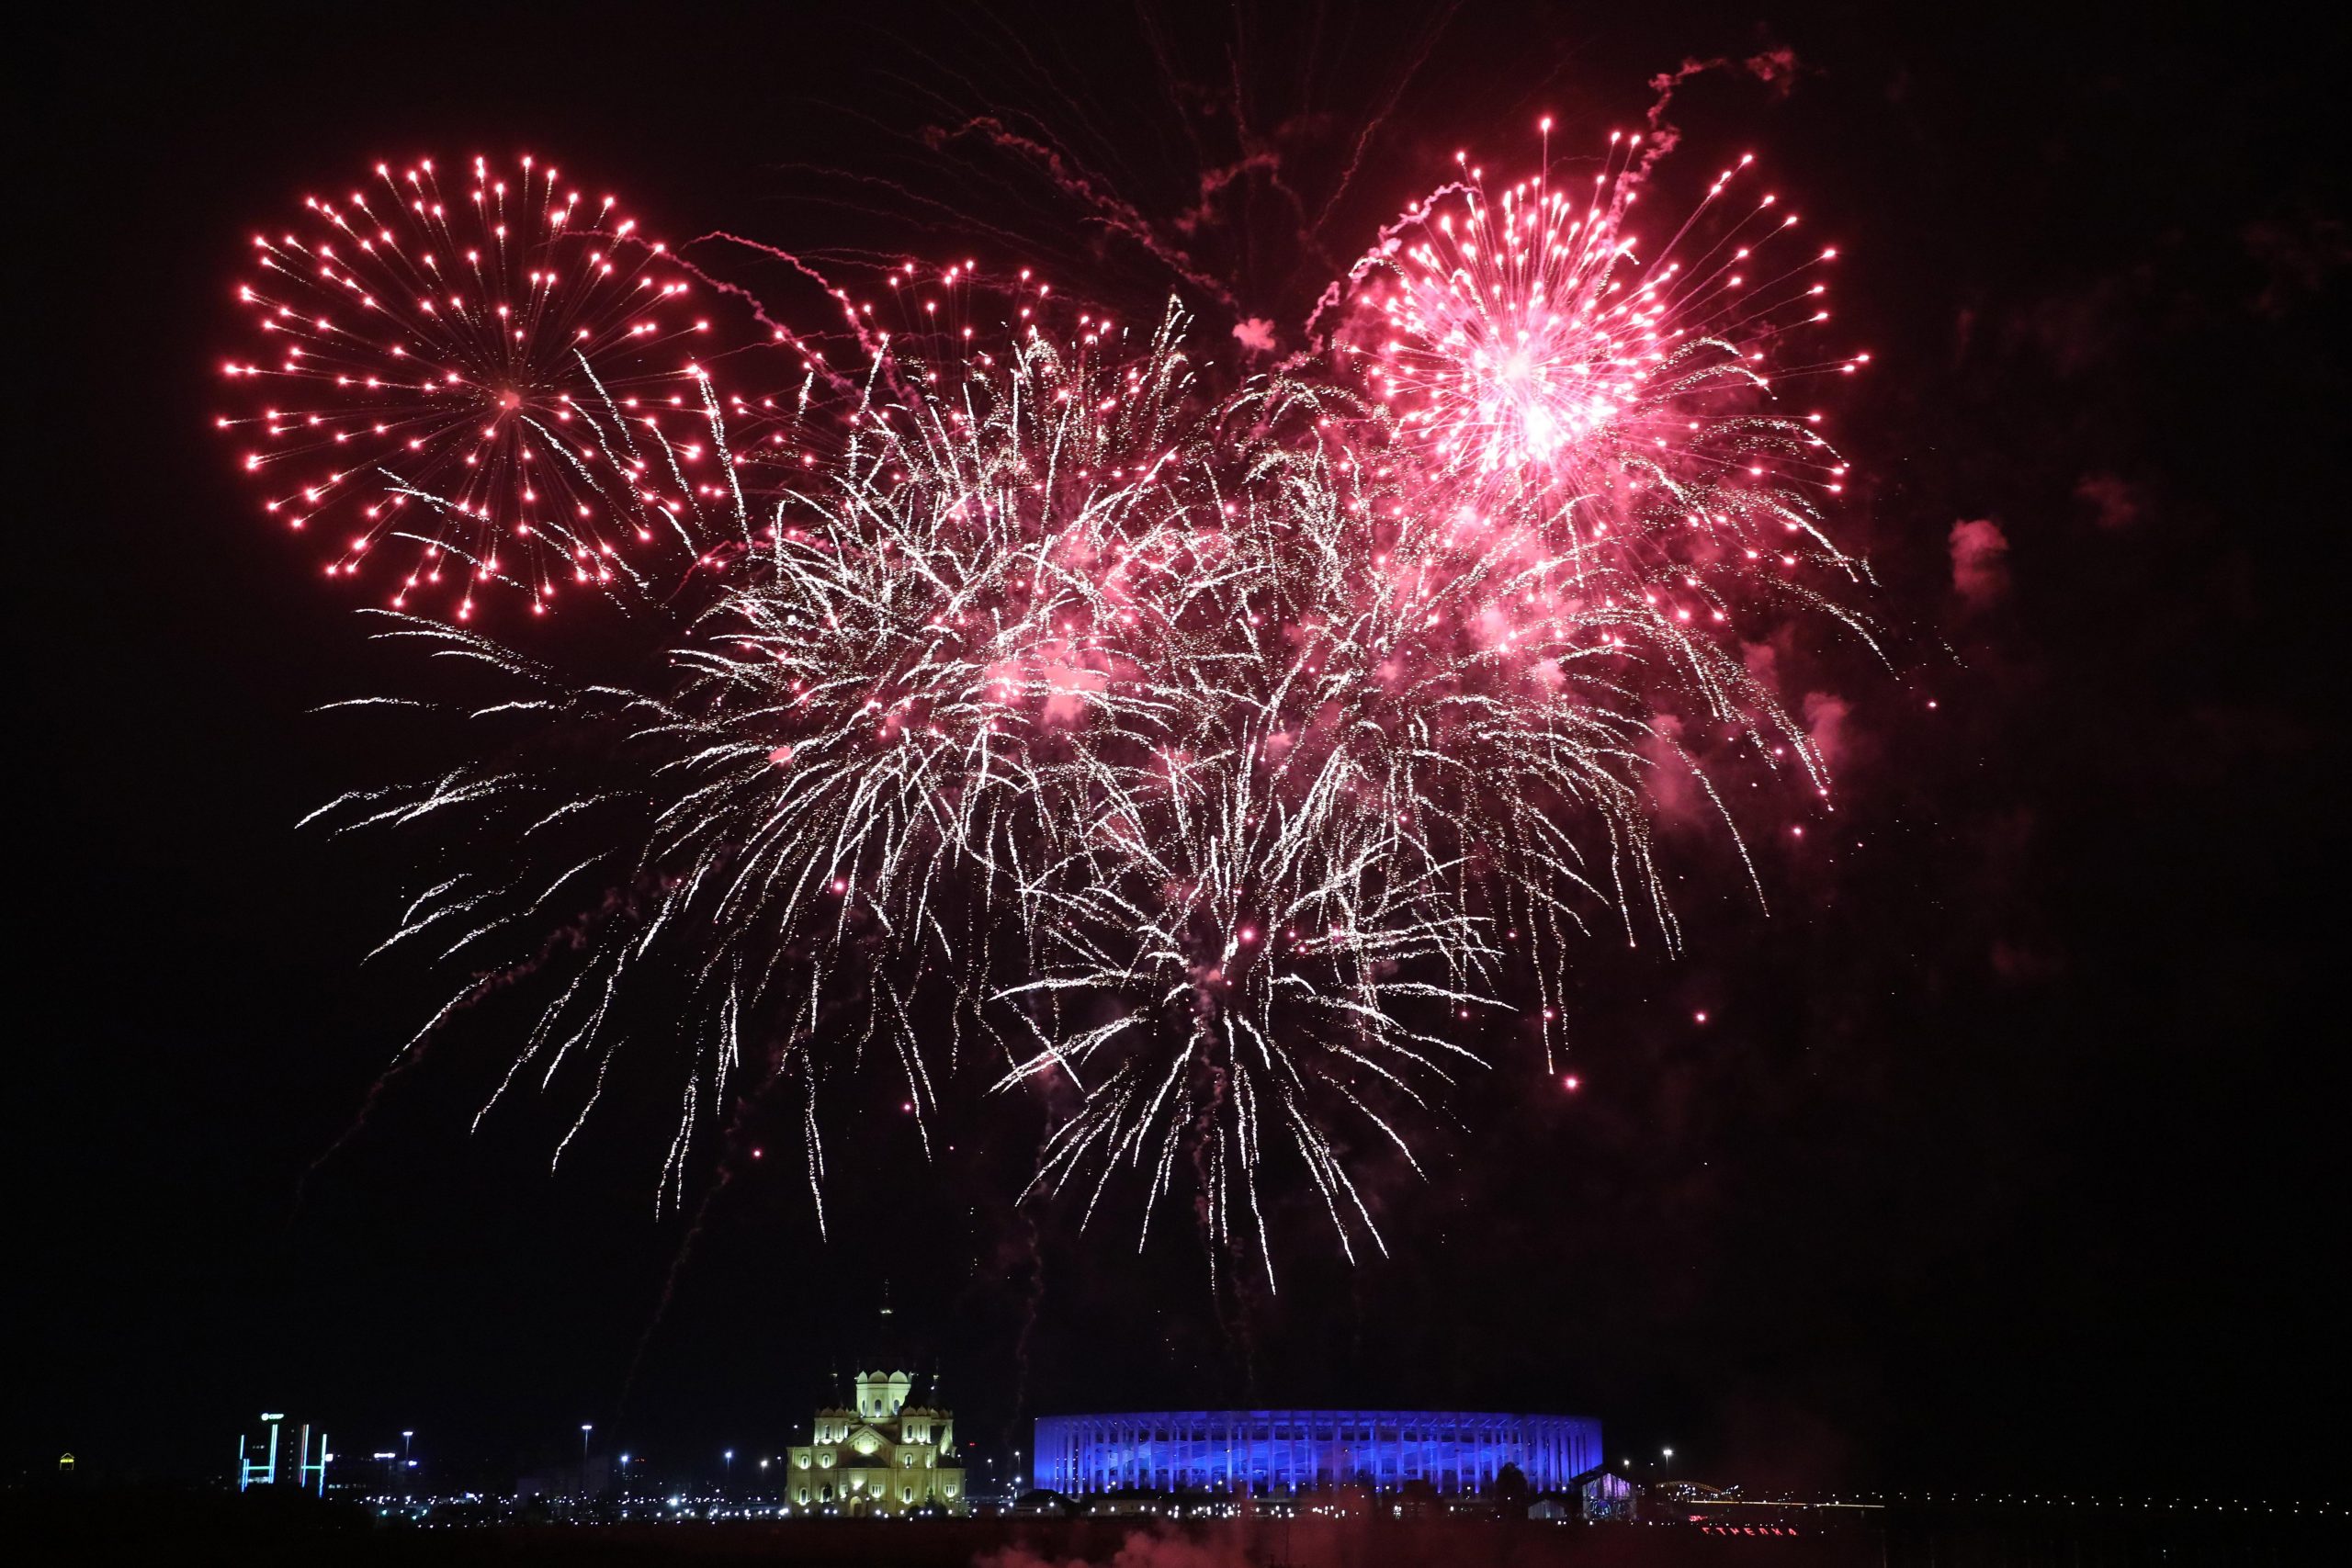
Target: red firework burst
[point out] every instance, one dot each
(493, 379)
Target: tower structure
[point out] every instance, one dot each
(266, 1463)
(884, 1452)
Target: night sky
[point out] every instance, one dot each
(2011, 1147)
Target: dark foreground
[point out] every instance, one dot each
(207, 1529)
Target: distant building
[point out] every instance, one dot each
(1450, 1452)
(273, 1460)
(1605, 1495)
(879, 1454)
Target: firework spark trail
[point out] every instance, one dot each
(867, 731)
(1114, 212)
(1227, 759)
(1373, 790)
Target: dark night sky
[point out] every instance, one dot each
(2012, 1149)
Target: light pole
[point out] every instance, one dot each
(405, 1436)
(730, 1457)
(585, 1428)
(1670, 1459)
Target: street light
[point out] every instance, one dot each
(731, 1467)
(405, 1436)
(585, 1428)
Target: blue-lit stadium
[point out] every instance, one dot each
(1271, 1450)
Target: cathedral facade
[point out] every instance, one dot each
(879, 1455)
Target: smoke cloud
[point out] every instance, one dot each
(1980, 561)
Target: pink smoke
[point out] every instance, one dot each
(2118, 505)
(1980, 561)
(1257, 333)
(1165, 1549)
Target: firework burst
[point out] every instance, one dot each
(473, 383)
(1220, 762)
(859, 765)
(1604, 389)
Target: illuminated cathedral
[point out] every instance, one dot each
(879, 1454)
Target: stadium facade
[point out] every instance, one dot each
(1270, 1451)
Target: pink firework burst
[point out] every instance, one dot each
(1534, 343)
(480, 385)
